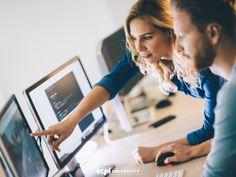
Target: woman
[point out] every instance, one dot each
(150, 37)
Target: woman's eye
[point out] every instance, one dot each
(147, 37)
(133, 38)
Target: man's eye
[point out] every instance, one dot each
(181, 36)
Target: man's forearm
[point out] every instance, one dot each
(201, 149)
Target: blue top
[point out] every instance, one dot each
(208, 86)
(222, 157)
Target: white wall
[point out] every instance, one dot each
(36, 36)
(118, 10)
(2, 99)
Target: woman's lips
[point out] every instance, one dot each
(146, 56)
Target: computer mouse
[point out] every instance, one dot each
(163, 103)
(171, 94)
(162, 158)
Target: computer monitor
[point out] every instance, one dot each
(4, 166)
(22, 149)
(109, 52)
(55, 96)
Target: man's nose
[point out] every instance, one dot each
(179, 46)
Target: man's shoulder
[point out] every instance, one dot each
(230, 86)
(228, 91)
(226, 102)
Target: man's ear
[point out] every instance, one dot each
(214, 31)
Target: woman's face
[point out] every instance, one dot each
(152, 44)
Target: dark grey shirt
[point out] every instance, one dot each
(221, 162)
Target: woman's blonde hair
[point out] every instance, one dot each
(157, 14)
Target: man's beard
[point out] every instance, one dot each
(204, 58)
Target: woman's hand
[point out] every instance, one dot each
(58, 133)
(145, 154)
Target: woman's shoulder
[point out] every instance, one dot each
(210, 81)
(206, 72)
(129, 58)
(207, 75)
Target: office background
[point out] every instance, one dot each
(37, 36)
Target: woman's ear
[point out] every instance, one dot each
(214, 32)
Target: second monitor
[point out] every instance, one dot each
(17, 144)
(55, 96)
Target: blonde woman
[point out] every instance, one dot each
(149, 32)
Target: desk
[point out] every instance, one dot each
(119, 151)
(189, 117)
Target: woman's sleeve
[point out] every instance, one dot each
(211, 84)
(121, 74)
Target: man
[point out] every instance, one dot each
(205, 31)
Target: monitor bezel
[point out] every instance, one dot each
(98, 125)
(13, 99)
(5, 164)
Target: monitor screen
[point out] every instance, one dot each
(109, 51)
(55, 96)
(21, 148)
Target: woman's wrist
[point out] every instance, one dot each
(74, 119)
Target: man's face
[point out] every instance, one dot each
(191, 43)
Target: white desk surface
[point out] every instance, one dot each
(189, 113)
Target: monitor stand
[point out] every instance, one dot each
(106, 136)
(121, 113)
(74, 169)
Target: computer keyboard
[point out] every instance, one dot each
(178, 173)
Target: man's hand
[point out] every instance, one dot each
(182, 153)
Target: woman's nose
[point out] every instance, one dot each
(140, 46)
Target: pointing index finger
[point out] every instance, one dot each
(40, 133)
